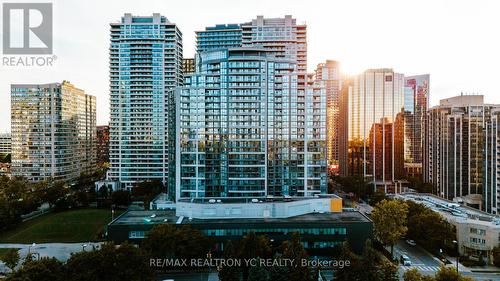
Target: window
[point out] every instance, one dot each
(136, 234)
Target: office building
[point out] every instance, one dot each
(250, 127)
(102, 145)
(53, 131)
(221, 36)
(5, 144)
(145, 68)
(282, 37)
(456, 149)
(416, 103)
(491, 194)
(329, 72)
(372, 117)
(188, 66)
(321, 223)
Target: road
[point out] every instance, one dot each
(427, 264)
(420, 258)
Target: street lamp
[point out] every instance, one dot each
(31, 246)
(458, 253)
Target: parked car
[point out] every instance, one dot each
(411, 242)
(405, 260)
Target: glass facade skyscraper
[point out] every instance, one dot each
(145, 67)
(221, 36)
(53, 131)
(329, 73)
(248, 126)
(373, 112)
(415, 117)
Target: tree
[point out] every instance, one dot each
(229, 273)
(496, 256)
(389, 219)
(253, 246)
(450, 274)
(82, 198)
(351, 273)
(278, 273)
(104, 191)
(125, 262)
(121, 197)
(168, 241)
(419, 185)
(354, 184)
(11, 258)
(17, 197)
(387, 272)
(368, 264)
(428, 228)
(45, 269)
(147, 191)
(258, 273)
(294, 250)
(52, 192)
(377, 197)
(414, 275)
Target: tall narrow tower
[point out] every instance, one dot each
(145, 67)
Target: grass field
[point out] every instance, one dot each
(65, 227)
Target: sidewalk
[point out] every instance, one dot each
(60, 251)
(453, 260)
(485, 269)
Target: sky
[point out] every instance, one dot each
(457, 42)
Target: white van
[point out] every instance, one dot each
(405, 260)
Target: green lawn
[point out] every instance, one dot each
(65, 227)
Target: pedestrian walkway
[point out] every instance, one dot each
(60, 251)
(421, 268)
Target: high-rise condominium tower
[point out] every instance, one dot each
(247, 129)
(145, 68)
(415, 116)
(456, 151)
(491, 195)
(373, 138)
(282, 37)
(53, 131)
(329, 73)
(221, 36)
